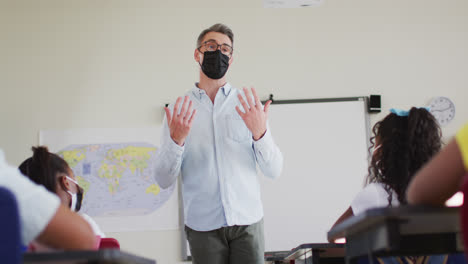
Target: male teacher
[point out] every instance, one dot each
(215, 137)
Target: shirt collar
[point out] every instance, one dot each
(226, 89)
(199, 92)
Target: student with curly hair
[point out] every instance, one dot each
(403, 142)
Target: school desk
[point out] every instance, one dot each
(107, 256)
(317, 253)
(401, 231)
(275, 257)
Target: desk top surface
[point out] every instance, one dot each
(108, 256)
(275, 255)
(413, 219)
(324, 250)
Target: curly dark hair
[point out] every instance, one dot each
(405, 144)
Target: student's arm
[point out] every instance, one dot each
(94, 226)
(372, 196)
(68, 230)
(439, 179)
(347, 214)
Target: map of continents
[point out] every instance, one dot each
(117, 178)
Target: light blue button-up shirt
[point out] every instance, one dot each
(218, 163)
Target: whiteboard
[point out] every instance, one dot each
(325, 149)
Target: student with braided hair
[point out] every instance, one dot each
(41, 215)
(51, 171)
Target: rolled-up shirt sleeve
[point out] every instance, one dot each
(168, 159)
(268, 155)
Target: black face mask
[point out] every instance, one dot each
(215, 64)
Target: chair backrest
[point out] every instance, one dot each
(10, 238)
(109, 242)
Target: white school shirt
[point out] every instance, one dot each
(218, 163)
(372, 196)
(36, 246)
(96, 230)
(36, 206)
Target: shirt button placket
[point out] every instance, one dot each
(222, 184)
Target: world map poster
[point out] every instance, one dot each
(115, 167)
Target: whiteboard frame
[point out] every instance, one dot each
(332, 100)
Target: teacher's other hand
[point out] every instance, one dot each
(180, 122)
(255, 115)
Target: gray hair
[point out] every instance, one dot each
(220, 28)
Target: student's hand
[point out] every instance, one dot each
(180, 123)
(255, 116)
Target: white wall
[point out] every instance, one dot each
(85, 64)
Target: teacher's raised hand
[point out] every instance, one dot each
(255, 115)
(180, 122)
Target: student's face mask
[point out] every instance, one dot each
(76, 198)
(215, 64)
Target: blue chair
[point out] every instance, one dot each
(10, 238)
